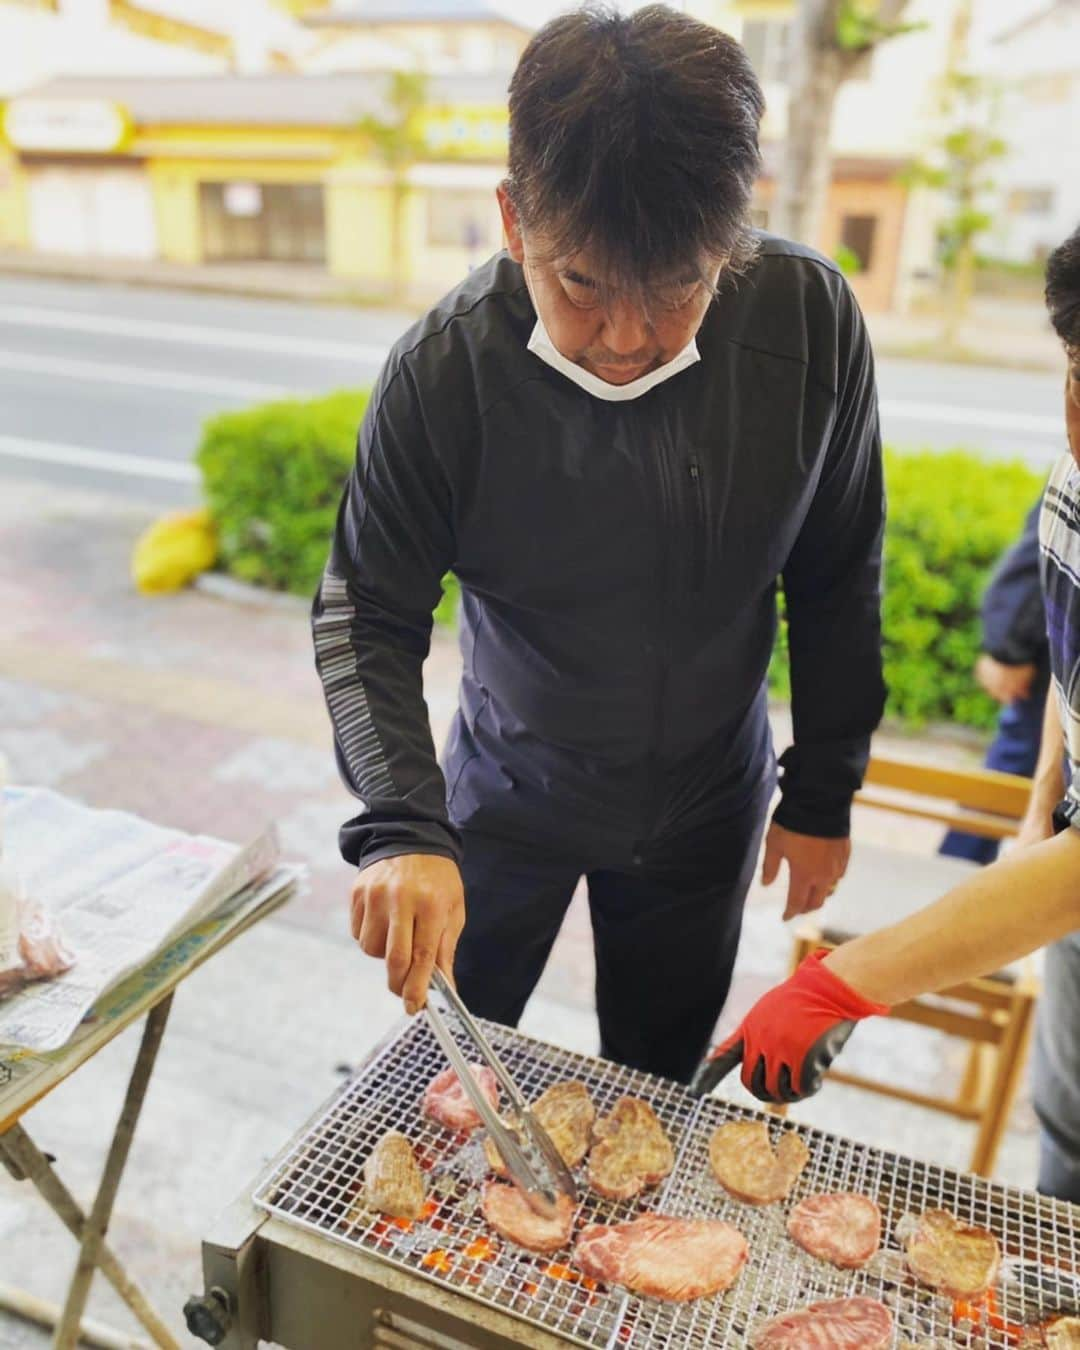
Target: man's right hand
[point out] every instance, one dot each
(410, 910)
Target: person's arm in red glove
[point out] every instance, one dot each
(790, 1036)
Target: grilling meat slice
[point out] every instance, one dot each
(677, 1259)
(947, 1255)
(631, 1150)
(445, 1100)
(1062, 1333)
(838, 1324)
(566, 1111)
(507, 1211)
(746, 1165)
(393, 1182)
(842, 1227)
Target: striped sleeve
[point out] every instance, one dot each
(371, 624)
(1059, 548)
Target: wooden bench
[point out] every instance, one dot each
(994, 1014)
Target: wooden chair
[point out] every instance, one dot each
(995, 1013)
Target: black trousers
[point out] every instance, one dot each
(665, 930)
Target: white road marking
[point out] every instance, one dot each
(993, 419)
(367, 354)
(115, 372)
(194, 335)
(103, 461)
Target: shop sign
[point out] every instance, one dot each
(471, 133)
(66, 125)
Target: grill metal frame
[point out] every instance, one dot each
(316, 1182)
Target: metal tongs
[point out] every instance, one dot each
(534, 1163)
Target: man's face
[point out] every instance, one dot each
(1072, 402)
(617, 341)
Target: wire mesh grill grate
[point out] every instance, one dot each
(317, 1183)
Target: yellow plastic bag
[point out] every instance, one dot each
(173, 551)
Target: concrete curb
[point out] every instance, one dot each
(223, 587)
(176, 277)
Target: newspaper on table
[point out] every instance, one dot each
(121, 889)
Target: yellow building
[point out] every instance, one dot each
(268, 168)
(438, 34)
(274, 167)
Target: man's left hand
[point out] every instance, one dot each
(815, 866)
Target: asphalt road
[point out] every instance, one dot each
(106, 386)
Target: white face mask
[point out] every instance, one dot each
(541, 345)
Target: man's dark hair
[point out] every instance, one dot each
(1063, 290)
(636, 136)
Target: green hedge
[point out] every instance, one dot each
(273, 478)
(950, 517)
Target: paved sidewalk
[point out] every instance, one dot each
(279, 281)
(207, 715)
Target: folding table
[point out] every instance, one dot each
(25, 1080)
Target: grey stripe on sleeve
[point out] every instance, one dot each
(345, 696)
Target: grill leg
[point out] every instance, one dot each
(23, 1156)
(231, 1275)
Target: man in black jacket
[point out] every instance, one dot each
(620, 434)
(1014, 669)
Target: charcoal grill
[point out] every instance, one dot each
(303, 1264)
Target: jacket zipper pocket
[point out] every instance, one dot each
(697, 533)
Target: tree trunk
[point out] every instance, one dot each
(962, 284)
(817, 69)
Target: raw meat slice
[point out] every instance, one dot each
(566, 1111)
(445, 1100)
(746, 1165)
(842, 1227)
(661, 1257)
(393, 1182)
(508, 1212)
(838, 1324)
(947, 1255)
(631, 1150)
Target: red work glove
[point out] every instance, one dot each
(790, 1036)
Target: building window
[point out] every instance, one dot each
(460, 219)
(274, 222)
(857, 235)
(1031, 201)
(766, 44)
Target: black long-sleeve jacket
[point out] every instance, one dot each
(619, 564)
(1013, 615)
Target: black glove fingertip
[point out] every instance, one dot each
(821, 1054)
(757, 1082)
(713, 1071)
